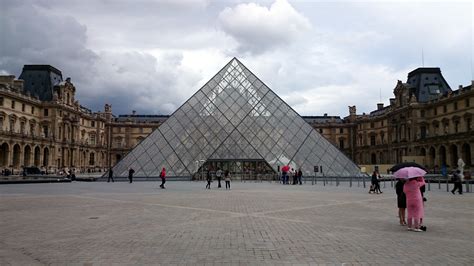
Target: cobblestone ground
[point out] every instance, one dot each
(102, 223)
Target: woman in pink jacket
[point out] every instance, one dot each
(414, 202)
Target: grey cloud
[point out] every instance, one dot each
(258, 28)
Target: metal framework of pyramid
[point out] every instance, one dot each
(234, 116)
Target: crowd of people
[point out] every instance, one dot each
(292, 174)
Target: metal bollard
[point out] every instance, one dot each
(358, 182)
(447, 185)
(429, 185)
(350, 182)
(439, 182)
(315, 180)
(312, 181)
(391, 182)
(337, 181)
(467, 185)
(363, 180)
(324, 181)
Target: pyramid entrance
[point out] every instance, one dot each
(234, 118)
(239, 169)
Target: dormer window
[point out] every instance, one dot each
(434, 89)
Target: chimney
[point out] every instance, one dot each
(379, 106)
(460, 87)
(392, 101)
(134, 112)
(325, 114)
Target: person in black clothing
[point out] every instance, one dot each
(130, 175)
(300, 176)
(375, 182)
(457, 182)
(209, 180)
(401, 201)
(111, 175)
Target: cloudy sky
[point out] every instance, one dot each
(319, 56)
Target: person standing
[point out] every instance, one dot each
(300, 176)
(457, 180)
(227, 179)
(401, 201)
(130, 174)
(163, 178)
(414, 203)
(219, 177)
(111, 176)
(209, 180)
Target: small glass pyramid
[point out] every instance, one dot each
(234, 116)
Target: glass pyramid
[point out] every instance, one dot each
(234, 116)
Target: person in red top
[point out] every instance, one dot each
(163, 178)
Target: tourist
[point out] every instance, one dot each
(401, 201)
(209, 180)
(300, 176)
(414, 202)
(376, 182)
(111, 175)
(227, 179)
(130, 174)
(219, 177)
(163, 178)
(457, 180)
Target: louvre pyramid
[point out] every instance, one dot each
(234, 116)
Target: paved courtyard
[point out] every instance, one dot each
(102, 223)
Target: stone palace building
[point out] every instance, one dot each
(42, 124)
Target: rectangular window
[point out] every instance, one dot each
(92, 123)
(22, 107)
(468, 124)
(45, 131)
(445, 109)
(422, 113)
(372, 140)
(423, 132)
(91, 159)
(1, 101)
(341, 130)
(467, 102)
(92, 139)
(13, 104)
(341, 143)
(435, 111)
(32, 109)
(46, 112)
(455, 106)
(371, 124)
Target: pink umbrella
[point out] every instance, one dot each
(285, 168)
(409, 172)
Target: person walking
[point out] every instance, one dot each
(130, 174)
(163, 178)
(376, 182)
(414, 202)
(111, 176)
(457, 180)
(219, 177)
(300, 176)
(209, 180)
(227, 179)
(401, 201)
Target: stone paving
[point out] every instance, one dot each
(101, 223)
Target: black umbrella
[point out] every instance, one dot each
(406, 164)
